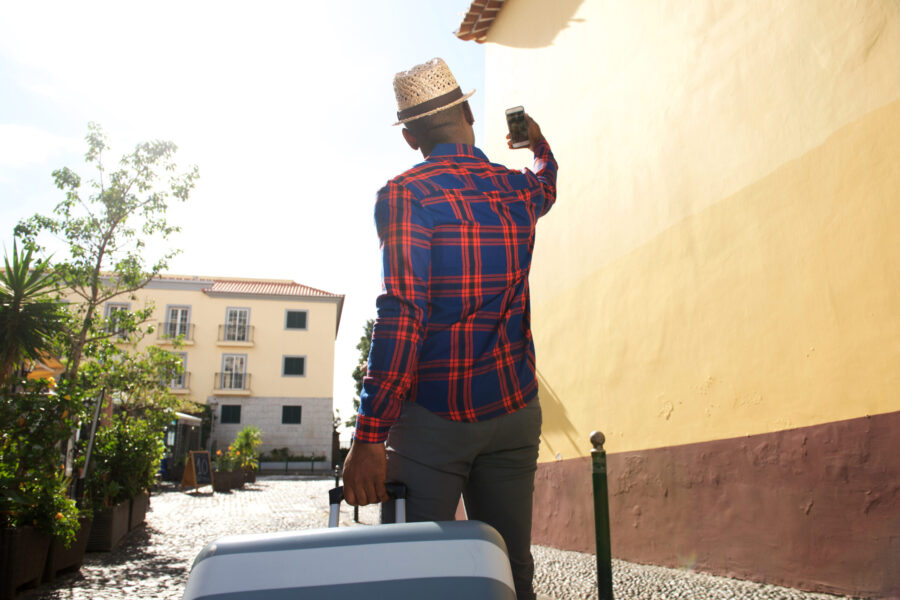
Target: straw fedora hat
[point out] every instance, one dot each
(426, 89)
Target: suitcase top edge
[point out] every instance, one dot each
(350, 536)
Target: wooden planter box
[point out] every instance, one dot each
(224, 481)
(23, 553)
(61, 559)
(139, 506)
(109, 528)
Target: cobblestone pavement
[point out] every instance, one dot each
(154, 561)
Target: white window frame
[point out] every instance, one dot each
(109, 309)
(175, 331)
(179, 381)
(237, 311)
(225, 369)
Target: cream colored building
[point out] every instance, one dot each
(718, 286)
(258, 352)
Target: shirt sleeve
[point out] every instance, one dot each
(544, 169)
(402, 309)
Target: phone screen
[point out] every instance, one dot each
(518, 130)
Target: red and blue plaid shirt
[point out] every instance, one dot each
(453, 325)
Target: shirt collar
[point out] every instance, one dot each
(442, 151)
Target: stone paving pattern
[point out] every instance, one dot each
(154, 560)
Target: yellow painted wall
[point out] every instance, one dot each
(724, 256)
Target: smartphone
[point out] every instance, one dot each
(518, 129)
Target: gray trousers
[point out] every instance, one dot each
(490, 463)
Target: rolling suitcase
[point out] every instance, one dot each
(433, 560)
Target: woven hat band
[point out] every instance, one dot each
(430, 105)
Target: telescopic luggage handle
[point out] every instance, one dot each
(396, 491)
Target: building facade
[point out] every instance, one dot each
(716, 288)
(258, 352)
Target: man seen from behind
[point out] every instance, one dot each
(449, 404)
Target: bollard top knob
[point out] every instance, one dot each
(597, 440)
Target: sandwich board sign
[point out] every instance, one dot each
(197, 471)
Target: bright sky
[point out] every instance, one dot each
(286, 107)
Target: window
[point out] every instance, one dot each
(113, 310)
(177, 321)
(231, 413)
(234, 369)
(237, 325)
(294, 366)
(179, 382)
(290, 415)
(295, 319)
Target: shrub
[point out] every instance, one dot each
(35, 418)
(246, 447)
(125, 460)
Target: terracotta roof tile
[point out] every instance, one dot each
(262, 287)
(478, 20)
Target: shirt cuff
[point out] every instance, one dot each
(541, 148)
(371, 430)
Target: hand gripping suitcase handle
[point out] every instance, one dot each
(397, 492)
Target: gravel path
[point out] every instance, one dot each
(154, 561)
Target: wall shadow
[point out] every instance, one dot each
(556, 418)
(537, 23)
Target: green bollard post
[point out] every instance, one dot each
(601, 517)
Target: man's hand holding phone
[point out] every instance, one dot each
(524, 132)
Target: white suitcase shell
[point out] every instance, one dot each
(432, 560)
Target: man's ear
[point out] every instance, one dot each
(470, 118)
(410, 139)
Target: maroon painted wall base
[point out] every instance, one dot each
(815, 508)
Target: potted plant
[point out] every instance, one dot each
(35, 508)
(227, 474)
(122, 470)
(64, 557)
(246, 449)
(107, 496)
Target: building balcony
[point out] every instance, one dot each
(235, 335)
(232, 384)
(181, 384)
(167, 333)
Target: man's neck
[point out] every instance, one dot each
(467, 140)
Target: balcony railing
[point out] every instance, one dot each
(232, 381)
(169, 330)
(180, 382)
(236, 333)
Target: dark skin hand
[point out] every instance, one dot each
(365, 470)
(534, 134)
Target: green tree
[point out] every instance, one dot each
(30, 319)
(112, 233)
(365, 342)
(137, 381)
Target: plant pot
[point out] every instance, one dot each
(221, 481)
(62, 559)
(224, 481)
(139, 506)
(23, 553)
(109, 528)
